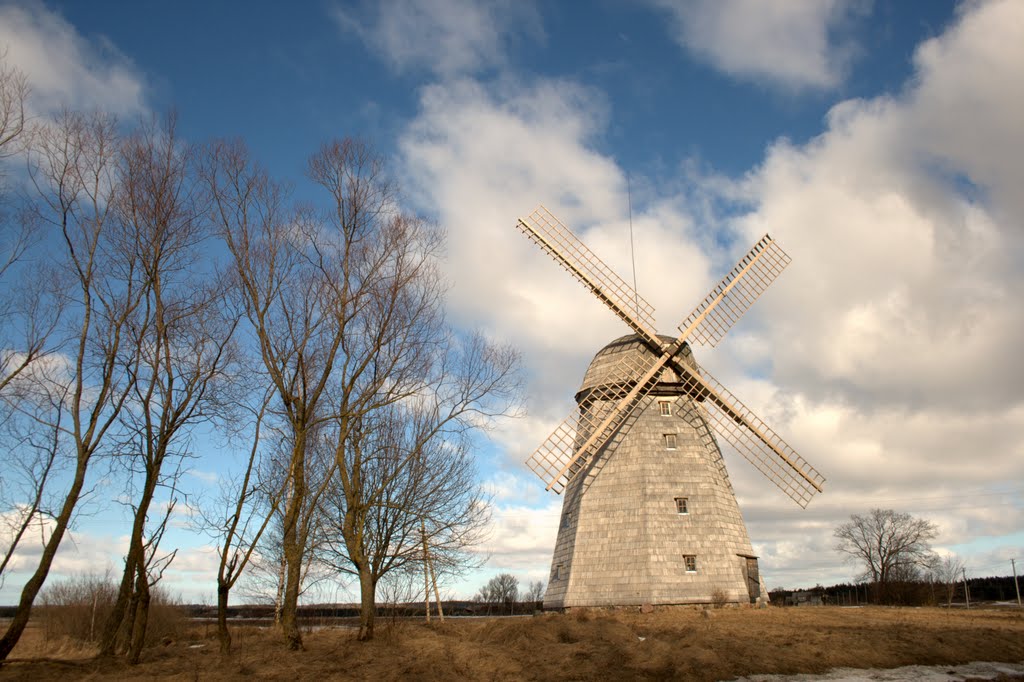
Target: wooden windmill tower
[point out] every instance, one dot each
(649, 515)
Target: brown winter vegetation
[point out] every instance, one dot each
(686, 644)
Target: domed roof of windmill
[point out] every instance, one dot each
(598, 372)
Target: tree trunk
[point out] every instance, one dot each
(368, 604)
(35, 583)
(293, 548)
(135, 557)
(279, 595)
(138, 632)
(112, 626)
(290, 605)
(426, 573)
(223, 636)
(129, 619)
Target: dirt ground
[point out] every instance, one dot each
(680, 644)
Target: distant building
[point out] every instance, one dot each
(806, 598)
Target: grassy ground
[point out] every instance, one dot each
(671, 644)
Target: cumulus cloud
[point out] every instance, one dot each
(521, 537)
(446, 37)
(893, 337)
(476, 158)
(790, 44)
(64, 69)
(887, 353)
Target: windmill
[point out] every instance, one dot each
(649, 514)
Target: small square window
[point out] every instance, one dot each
(670, 441)
(665, 407)
(682, 505)
(691, 563)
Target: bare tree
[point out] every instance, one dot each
(282, 282)
(35, 452)
(396, 350)
(946, 571)
(535, 593)
(238, 519)
(73, 167)
(28, 316)
(501, 590)
(14, 92)
(891, 546)
(179, 345)
(418, 507)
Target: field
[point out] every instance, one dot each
(682, 644)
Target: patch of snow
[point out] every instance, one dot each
(981, 670)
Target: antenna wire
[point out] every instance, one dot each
(632, 251)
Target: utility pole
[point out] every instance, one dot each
(426, 569)
(1013, 563)
(967, 595)
(430, 577)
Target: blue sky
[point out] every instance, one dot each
(879, 142)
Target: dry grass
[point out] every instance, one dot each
(670, 644)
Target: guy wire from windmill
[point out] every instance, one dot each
(606, 452)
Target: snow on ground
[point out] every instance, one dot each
(911, 673)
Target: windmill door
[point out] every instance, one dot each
(753, 579)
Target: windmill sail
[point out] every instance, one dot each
(606, 409)
(564, 453)
(544, 229)
(761, 446)
(734, 295)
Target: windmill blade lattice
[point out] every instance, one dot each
(754, 439)
(544, 229)
(735, 293)
(565, 452)
(606, 408)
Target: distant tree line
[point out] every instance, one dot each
(501, 595)
(917, 593)
(898, 566)
(153, 289)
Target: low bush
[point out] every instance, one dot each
(77, 608)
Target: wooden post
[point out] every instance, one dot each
(426, 570)
(429, 577)
(1013, 563)
(437, 594)
(967, 595)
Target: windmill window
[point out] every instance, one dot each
(682, 505)
(670, 441)
(691, 563)
(665, 407)
(557, 573)
(567, 520)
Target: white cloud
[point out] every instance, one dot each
(887, 354)
(192, 574)
(447, 37)
(895, 333)
(64, 69)
(788, 43)
(902, 290)
(208, 477)
(521, 537)
(476, 158)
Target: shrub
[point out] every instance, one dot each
(719, 598)
(77, 608)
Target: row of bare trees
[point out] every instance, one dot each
(161, 297)
(893, 550)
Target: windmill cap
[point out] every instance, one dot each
(602, 369)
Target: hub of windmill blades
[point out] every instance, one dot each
(583, 434)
